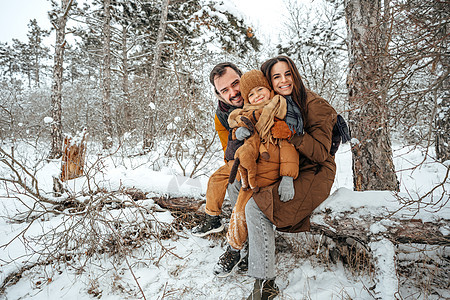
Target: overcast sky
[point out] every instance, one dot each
(16, 14)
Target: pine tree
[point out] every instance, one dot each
(8, 60)
(37, 50)
(24, 61)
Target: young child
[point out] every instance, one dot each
(278, 158)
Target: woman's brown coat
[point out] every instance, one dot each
(316, 171)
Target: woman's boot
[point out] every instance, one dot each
(264, 290)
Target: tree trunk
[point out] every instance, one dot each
(150, 115)
(72, 162)
(36, 64)
(125, 82)
(443, 112)
(56, 97)
(106, 103)
(36, 68)
(373, 167)
(29, 79)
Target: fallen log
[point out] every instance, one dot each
(398, 231)
(363, 229)
(179, 203)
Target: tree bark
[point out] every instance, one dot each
(125, 82)
(398, 231)
(443, 113)
(150, 115)
(56, 97)
(106, 103)
(36, 69)
(373, 167)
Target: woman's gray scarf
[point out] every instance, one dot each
(294, 118)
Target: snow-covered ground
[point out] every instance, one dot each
(180, 266)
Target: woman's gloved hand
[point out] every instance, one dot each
(242, 133)
(280, 130)
(286, 188)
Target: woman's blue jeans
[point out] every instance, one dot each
(261, 240)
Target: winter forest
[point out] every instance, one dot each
(107, 143)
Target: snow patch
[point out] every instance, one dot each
(48, 120)
(387, 281)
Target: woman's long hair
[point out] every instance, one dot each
(299, 90)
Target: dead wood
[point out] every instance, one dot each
(398, 231)
(342, 227)
(180, 203)
(73, 157)
(135, 194)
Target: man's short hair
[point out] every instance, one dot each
(220, 69)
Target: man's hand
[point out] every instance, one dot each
(242, 133)
(280, 130)
(286, 189)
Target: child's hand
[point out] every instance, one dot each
(280, 130)
(242, 133)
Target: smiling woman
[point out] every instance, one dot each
(282, 79)
(15, 16)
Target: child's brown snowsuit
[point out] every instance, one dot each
(282, 159)
(246, 156)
